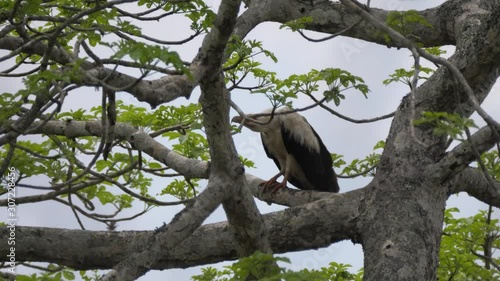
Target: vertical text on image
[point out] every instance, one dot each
(11, 219)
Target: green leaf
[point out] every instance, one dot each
(101, 165)
(105, 196)
(69, 275)
(246, 162)
(379, 145)
(180, 189)
(263, 267)
(461, 237)
(406, 76)
(154, 165)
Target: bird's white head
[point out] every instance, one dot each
(259, 122)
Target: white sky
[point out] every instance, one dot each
(371, 62)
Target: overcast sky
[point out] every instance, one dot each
(371, 62)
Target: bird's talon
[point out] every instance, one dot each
(267, 184)
(278, 187)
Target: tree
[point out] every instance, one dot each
(398, 217)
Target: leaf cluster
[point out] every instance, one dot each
(364, 167)
(53, 273)
(405, 22)
(463, 243)
(264, 267)
(406, 76)
(336, 80)
(446, 124)
(491, 162)
(58, 157)
(241, 65)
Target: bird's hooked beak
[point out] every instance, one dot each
(247, 122)
(237, 119)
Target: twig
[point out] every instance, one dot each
(356, 121)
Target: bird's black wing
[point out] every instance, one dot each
(269, 154)
(316, 165)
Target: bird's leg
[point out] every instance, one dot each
(271, 181)
(282, 184)
(286, 175)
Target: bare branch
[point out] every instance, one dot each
(362, 173)
(487, 259)
(64, 190)
(158, 41)
(55, 269)
(101, 217)
(331, 36)
(356, 121)
(141, 16)
(169, 129)
(462, 155)
(476, 185)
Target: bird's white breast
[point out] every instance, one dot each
(274, 143)
(300, 130)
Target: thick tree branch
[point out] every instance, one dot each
(474, 182)
(12, 43)
(242, 213)
(241, 210)
(154, 92)
(332, 17)
(286, 196)
(142, 141)
(309, 226)
(462, 155)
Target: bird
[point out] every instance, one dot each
(296, 149)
